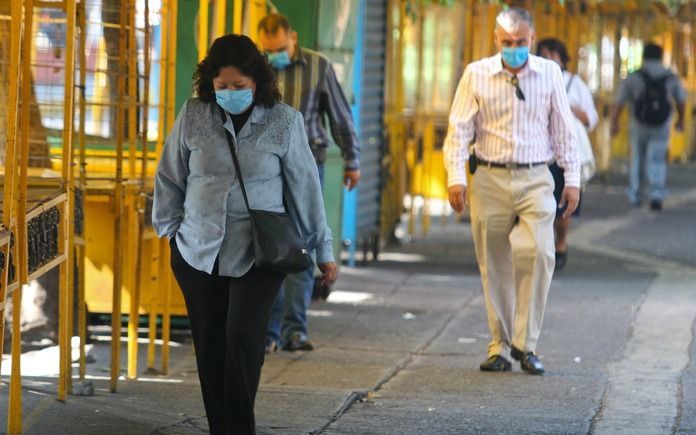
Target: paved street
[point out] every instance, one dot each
(400, 341)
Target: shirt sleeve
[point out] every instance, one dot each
(587, 103)
(461, 130)
(561, 125)
(335, 105)
(170, 180)
(303, 191)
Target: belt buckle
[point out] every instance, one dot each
(510, 165)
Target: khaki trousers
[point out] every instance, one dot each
(512, 213)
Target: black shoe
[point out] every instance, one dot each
(655, 205)
(561, 259)
(528, 361)
(496, 363)
(297, 343)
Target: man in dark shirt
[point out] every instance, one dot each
(308, 83)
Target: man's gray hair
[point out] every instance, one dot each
(511, 19)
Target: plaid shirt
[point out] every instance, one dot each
(309, 85)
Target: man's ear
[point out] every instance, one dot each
(293, 37)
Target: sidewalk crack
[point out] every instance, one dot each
(356, 396)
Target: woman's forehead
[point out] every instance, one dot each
(231, 73)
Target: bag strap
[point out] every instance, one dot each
(570, 82)
(230, 142)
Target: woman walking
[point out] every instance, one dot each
(199, 205)
(583, 108)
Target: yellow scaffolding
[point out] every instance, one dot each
(29, 198)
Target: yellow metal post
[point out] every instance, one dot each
(140, 209)
(68, 219)
(203, 30)
(14, 420)
(152, 337)
(164, 247)
(132, 59)
(164, 78)
(118, 205)
(162, 114)
(132, 284)
(133, 195)
(166, 314)
(171, 63)
(257, 10)
(238, 16)
(220, 17)
(427, 173)
(10, 157)
(81, 305)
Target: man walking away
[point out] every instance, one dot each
(649, 92)
(516, 107)
(308, 83)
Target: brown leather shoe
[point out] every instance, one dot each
(496, 363)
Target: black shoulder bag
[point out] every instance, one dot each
(278, 246)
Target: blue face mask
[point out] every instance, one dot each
(279, 60)
(515, 57)
(234, 101)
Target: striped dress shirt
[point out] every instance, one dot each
(507, 129)
(309, 85)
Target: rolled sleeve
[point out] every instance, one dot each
(303, 191)
(561, 125)
(461, 130)
(336, 106)
(170, 180)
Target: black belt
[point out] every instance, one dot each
(511, 165)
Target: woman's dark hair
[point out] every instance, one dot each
(241, 52)
(555, 46)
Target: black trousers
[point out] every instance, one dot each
(228, 318)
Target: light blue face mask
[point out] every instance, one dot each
(234, 101)
(515, 57)
(279, 60)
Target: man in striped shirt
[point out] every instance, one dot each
(513, 108)
(308, 83)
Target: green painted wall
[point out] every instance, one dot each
(303, 16)
(186, 50)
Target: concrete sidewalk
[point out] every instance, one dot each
(400, 341)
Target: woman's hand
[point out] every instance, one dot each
(329, 270)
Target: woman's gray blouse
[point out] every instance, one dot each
(198, 198)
